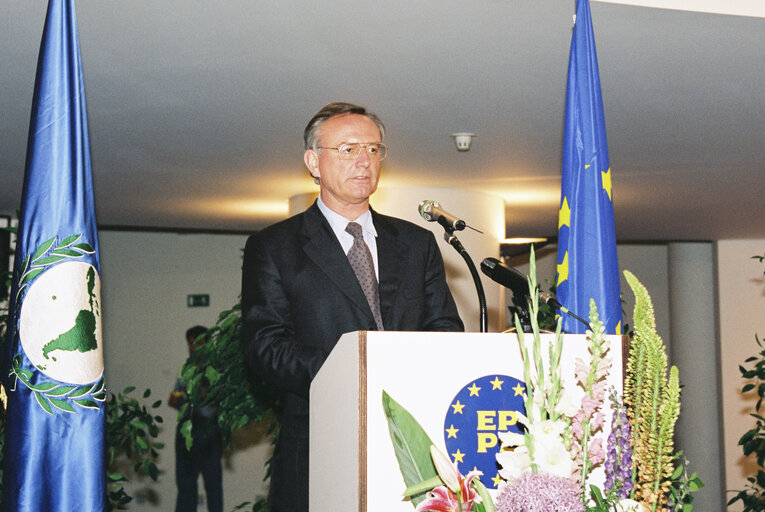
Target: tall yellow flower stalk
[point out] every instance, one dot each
(653, 404)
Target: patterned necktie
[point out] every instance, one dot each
(364, 268)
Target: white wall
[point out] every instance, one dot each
(741, 295)
(145, 280)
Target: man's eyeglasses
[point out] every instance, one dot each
(352, 150)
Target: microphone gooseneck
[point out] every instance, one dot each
(432, 212)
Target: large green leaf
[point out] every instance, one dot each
(411, 444)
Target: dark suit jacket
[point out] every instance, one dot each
(299, 295)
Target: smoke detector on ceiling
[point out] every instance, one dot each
(463, 140)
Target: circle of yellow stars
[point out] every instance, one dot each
(458, 407)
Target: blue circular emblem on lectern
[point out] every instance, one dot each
(480, 410)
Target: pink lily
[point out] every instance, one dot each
(442, 499)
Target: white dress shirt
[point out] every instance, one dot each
(338, 224)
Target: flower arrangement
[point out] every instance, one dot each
(550, 466)
(561, 439)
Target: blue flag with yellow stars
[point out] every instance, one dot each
(53, 366)
(587, 262)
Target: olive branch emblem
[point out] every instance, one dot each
(50, 394)
(46, 255)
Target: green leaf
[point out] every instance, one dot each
(424, 486)
(43, 402)
(597, 495)
(82, 390)
(31, 275)
(43, 386)
(43, 249)
(186, 432)
(87, 403)
(483, 492)
(98, 386)
(761, 478)
(115, 477)
(411, 445)
(67, 253)
(24, 266)
(141, 443)
(61, 390)
(48, 260)
(128, 389)
(85, 247)
(153, 472)
(66, 242)
(61, 404)
(212, 375)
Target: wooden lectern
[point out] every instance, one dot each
(353, 466)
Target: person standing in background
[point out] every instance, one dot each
(205, 454)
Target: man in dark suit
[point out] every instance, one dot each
(311, 278)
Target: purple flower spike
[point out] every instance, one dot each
(618, 464)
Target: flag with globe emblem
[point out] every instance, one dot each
(587, 261)
(54, 446)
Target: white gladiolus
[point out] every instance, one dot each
(567, 405)
(513, 463)
(511, 439)
(551, 456)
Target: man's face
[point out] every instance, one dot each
(195, 344)
(345, 184)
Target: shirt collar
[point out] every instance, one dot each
(338, 222)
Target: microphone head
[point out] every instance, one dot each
(425, 209)
(488, 265)
(508, 277)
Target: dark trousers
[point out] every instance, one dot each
(205, 458)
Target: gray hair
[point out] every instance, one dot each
(336, 108)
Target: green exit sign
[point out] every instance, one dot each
(201, 300)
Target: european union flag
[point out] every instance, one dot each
(587, 261)
(54, 444)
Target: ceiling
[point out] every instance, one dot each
(196, 108)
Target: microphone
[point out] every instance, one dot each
(432, 212)
(516, 281)
(508, 277)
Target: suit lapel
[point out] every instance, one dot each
(391, 258)
(322, 247)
